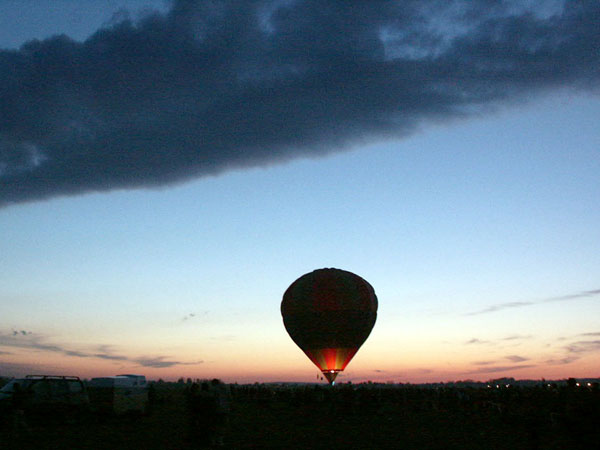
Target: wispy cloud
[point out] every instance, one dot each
(517, 337)
(583, 346)
(576, 349)
(188, 317)
(162, 362)
(520, 304)
(512, 358)
(572, 296)
(32, 341)
(495, 369)
(562, 361)
(22, 332)
(76, 353)
(109, 357)
(500, 307)
(476, 341)
(194, 316)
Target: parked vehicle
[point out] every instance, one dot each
(119, 394)
(45, 394)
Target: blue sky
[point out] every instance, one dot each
(496, 211)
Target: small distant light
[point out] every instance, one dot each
(508, 385)
(589, 384)
(549, 385)
(331, 371)
(489, 386)
(577, 384)
(497, 386)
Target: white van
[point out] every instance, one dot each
(47, 393)
(119, 394)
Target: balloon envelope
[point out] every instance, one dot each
(329, 313)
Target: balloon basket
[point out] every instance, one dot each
(331, 376)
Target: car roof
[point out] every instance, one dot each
(52, 377)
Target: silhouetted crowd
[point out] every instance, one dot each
(572, 409)
(214, 414)
(208, 407)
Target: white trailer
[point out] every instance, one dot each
(119, 394)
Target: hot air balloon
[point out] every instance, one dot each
(329, 313)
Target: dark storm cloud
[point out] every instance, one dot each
(212, 86)
(562, 298)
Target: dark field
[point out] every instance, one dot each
(358, 417)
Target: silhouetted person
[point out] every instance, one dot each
(201, 415)
(19, 424)
(151, 398)
(222, 408)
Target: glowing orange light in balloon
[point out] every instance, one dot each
(329, 313)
